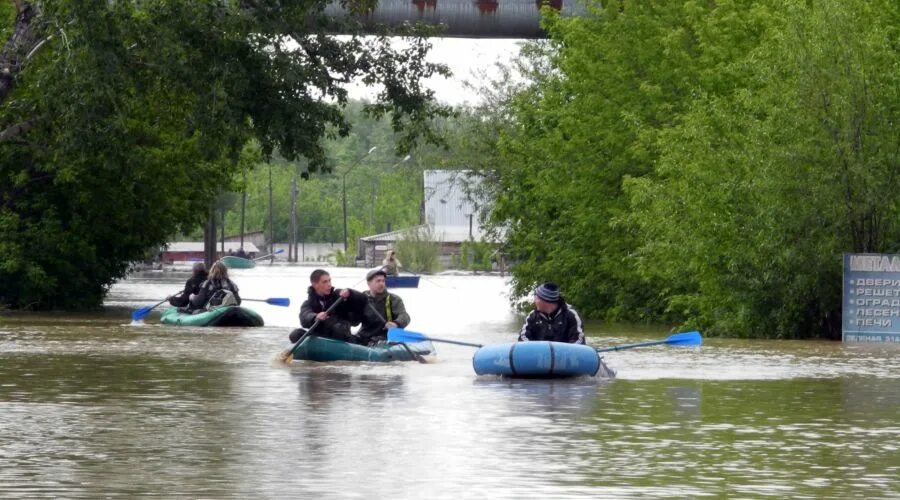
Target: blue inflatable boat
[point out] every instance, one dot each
(402, 281)
(539, 359)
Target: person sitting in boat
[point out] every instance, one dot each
(216, 290)
(242, 254)
(384, 310)
(320, 296)
(552, 319)
(390, 264)
(191, 286)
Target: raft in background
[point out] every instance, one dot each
(233, 262)
(538, 359)
(315, 348)
(220, 316)
(402, 281)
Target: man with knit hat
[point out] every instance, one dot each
(384, 310)
(552, 319)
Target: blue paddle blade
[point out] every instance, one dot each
(283, 302)
(685, 339)
(140, 313)
(401, 335)
(280, 250)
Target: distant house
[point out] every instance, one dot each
(180, 251)
(256, 238)
(449, 214)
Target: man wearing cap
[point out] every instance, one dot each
(384, 310)
(320, 296)
(552, 319)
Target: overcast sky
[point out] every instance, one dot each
(463, 56)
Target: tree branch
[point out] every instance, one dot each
(24, 40)
(15, 130)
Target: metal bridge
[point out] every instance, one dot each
(466, 18)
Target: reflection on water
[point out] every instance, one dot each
(92, 407)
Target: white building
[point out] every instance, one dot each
(450, 217)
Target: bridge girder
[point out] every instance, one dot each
(466, 18)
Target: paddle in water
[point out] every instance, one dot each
(287, 357)
(140, 313)
(684, 339)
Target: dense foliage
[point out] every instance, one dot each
(704, 162)
(122, 122)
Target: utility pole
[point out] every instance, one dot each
(344, 191)
(209, 238)
(271, 217)
(292, 250)
(243, 207)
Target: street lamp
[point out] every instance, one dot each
(344, 190)
(375, 184)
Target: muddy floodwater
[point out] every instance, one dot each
(93, 406)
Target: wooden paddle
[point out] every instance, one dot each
(287, 357)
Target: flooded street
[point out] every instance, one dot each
(92, 406)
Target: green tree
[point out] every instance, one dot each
(419, 251)
(603, 87)
(703, 163)
(761, 190)
(122, 122)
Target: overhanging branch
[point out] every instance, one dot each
(15, 130)
(21, 45)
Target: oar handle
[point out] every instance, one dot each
(275, 301)
(469, 344)
(140, 313)
(376, 312)
(281, 250)
(313, 327)
(631, 346)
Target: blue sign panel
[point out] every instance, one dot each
(871, 308)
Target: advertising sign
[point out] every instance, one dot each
(871, 311)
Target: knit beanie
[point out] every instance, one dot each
(548, 292)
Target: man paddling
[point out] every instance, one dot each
(552, 319)
(320, 296)
(384, 310)
(191, 286)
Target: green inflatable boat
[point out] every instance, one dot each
(315, 348)
(233, 262)
(220, 316)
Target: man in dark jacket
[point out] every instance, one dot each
(552, 319)
(384, 310)
(191, 286)
(320, 296)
